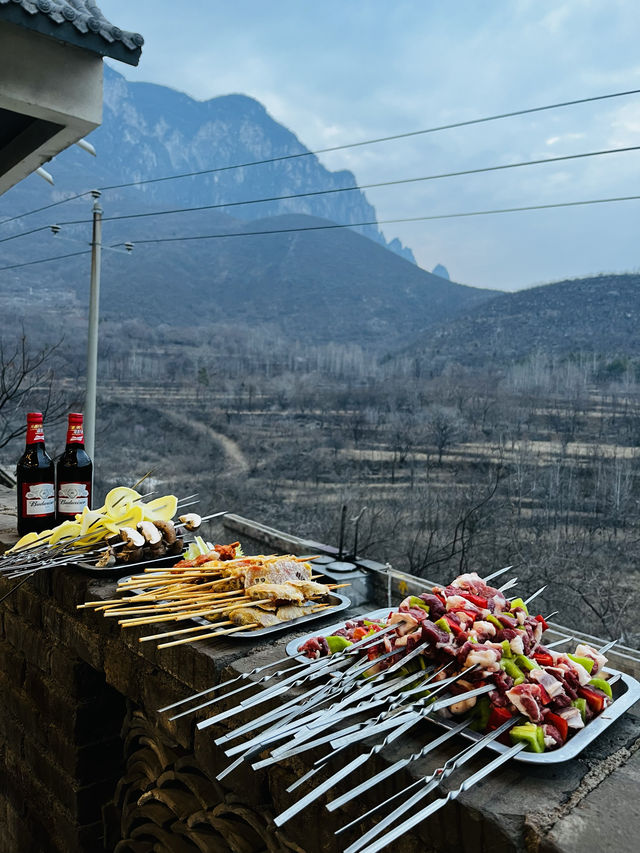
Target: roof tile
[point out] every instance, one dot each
(86, 17)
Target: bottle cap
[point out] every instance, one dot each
(34, 417)
(75, 418)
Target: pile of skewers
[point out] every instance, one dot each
(462, 652)
(225, 593)
(127, 529)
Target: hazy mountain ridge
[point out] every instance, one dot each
(150, 131)
(319, 283)
(598, 314)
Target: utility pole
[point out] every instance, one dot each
(94, 311)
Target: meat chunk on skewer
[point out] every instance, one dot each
(310, 588)
(275, 591)
(253, 616)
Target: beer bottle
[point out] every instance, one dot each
(74, 473)
(35, 476)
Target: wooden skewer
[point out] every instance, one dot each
(180, 631)
(207, 636)
(181, 615)
(171, 608)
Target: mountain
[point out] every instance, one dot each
(150, 131)
(310, 280)
(599, 314)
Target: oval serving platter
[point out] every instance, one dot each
(626, 692)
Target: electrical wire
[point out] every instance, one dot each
(409, 134)
(395, 136)
(334, 190)
(45, 260)
(46, 207)
(334, 226)
(24, 233)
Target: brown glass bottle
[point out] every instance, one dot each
(35, 475)
(74, 473)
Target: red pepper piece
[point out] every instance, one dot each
(543, 658)
(478, 600)
(559, 722)
(542, 621)
(597, 700)
(359, 633)
(455, 626)
(498, 716)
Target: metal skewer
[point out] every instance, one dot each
(408, 824)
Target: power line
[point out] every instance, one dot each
(333, 226)
(45, 260)
(334, 190)
(46, 207)
(435, 129)
(24, 233)
(406, 135)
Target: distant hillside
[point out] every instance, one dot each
(324, 285)
(600, 314)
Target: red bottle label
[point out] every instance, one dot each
(38, 500)
(75, 434)
(35, 432)
(73, 497)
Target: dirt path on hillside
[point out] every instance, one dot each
(231, 449)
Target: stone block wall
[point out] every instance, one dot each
(60, 722)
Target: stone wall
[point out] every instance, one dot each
(88, 764)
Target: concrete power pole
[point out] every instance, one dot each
(94, 315)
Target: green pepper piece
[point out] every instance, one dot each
(506, 649)
(512, 669)
(531, 734)
(518, 602)
(337, 644)
(587, 663)
(443, 625)
(603, 685)
(414, 601)
(581, 705)
(494, 621)
(526, 663)
(481, 714)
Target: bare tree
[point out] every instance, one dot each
(27, 379)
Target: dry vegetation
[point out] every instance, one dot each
(535, 465)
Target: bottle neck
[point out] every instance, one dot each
(35, 434)
(75, 435)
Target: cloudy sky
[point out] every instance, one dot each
(341, 71)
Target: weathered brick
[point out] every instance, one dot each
(32, 643)
(73, 673)
(29, 605)
(12, 664)
(17, 833)
(88, 762)
(17, 703)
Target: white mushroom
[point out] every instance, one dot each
(131, 538)
(150, 532)
(191, 520)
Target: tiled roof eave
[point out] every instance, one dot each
(93, 33)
